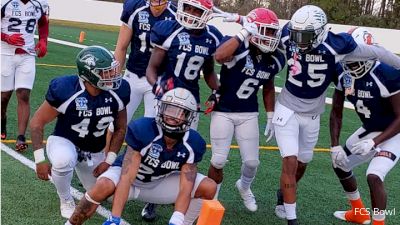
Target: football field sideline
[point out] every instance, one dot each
(75, 193)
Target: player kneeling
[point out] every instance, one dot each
(374, 89)
(159, 165)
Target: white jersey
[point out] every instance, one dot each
(18, 17)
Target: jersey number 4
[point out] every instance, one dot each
(82, 127)
(15, 22)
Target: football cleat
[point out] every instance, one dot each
(21, 145)
(149, 212)
(354, 217)
(292, 222)
(67, 208)
(248, 197)
(3, 129)
(280, 208)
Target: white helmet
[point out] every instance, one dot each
(176, 111)
(185, 14)
(358, 69)
(307, 27)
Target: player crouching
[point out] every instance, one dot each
(374, 89)
(159, 165)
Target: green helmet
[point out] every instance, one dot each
(98, 66)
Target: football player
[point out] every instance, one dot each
(159, 165)
(84, 106)
(250, 59)
(312, 52)
(19, 19)
(138, 17)
(374, 90)
(185, 47)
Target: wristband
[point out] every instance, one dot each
(38, 154)
(111, 156)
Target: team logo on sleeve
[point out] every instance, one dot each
(81, 103)
(155, 151)
(184, 38)
(143, 17)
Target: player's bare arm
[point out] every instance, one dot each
(124, 39)
(225, 52)
(44, 115)
(210, 76)
(394, 127)
(187, 179)
(156, 59)
(130, 167)
(117, 139)
(335, 119)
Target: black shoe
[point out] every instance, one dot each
(149, 212)
(292, 222)
(3, 129)
(279, 197)
(21, 144)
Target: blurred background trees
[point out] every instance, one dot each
(373, 13)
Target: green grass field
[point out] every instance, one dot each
(27, 200)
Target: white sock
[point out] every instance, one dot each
(353, 195)
(193, 211)
(62, 181)
(290, 210)
(217, 192)
(379, 216)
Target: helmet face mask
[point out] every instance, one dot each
(98, 66)
(358, 69)
(307, 28)
(176, 111)
(194, 14)
(269, 33)
(157, 5)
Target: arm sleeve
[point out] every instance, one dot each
(365, 52)
(390, 81)
(158, 35)
(52, 95)
(127, 11)
(199, 149)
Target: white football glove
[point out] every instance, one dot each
(269, 128)
(231, 17)
(339, 158)
(248, 29)
(363, 147)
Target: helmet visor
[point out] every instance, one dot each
(302, 38)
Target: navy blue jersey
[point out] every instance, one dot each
(145, 136)
(310, 74)
(242, 77)
(185, 53)
(370, 96)
(83, 119)
(137, 15)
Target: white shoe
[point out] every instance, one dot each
(280, 211)
(248, 198)
(67, 208)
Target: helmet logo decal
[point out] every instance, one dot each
(368, 38)
(89, 60)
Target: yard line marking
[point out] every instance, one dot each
(270, 148)
(277, 89)
(75, 193)
(54, 65)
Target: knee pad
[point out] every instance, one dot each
(343, 175)
(218, 160)
(251, 164)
